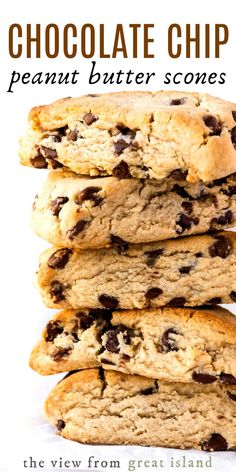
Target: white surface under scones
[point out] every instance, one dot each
(97, 407)
(189, 271)
(134, 134)
(171, 344)
(75, 211)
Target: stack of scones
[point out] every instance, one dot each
(141, 189)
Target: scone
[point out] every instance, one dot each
(190, 271)
(113, 408)
(74, 211)
(171, 344)
(134, 134)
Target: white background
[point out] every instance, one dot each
(24, 431)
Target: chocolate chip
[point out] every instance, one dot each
(233, 296)
(232, 396)
(93, 95)
(112, 342)
(53, 329)
(184, 222)
(230, 191)
(85, 321)
(223, 219)
(233, 135)
(203, 378)
(60, 425)
(125, 357)
(153, 293)
(168, 343)
(178, 301)
(179, 174)
(121, 171)
(74, 332)
(187, 206)
(216, 442)
(214, 301)
(221, 247)
(59, 258)
(195, 220)
(120, 146)
(60, 353)
(89, 118)
(77, 229)
(108, 302)
(119, 243)
(177, 101)
(212, 123)
(39, 161)
(234, 115)
(55, 164)
(72, 135)
(152, 256)
(149, 391)
(181, 191)
(106, 361)
(56, 291)
(123, 129)
(198, 254)
(57, 204)
(185, 269)
(227, 379)
(88, 193)
(48, 153)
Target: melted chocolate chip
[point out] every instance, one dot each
(223, 219)
(167, 342)
(120, 146)
(212, 123)
(88, 193)
(179, 174)
(121, 171)
(108, 301)
(112, 342)
(60, 353)
(85, 321)
(222, 247)
(57, 204)
(72, 135)
(234, 115)
(232, 396)
(184, 222)
(48, 153)
(77, 229)
(59, 258)
(233, 135)
(53, 329)
(89, 118)
(178, 301)
(216, 442)
(60, 425)
(119, 243)
(56, 291)
(177, 101)
(153, 293)
(187, 206)
(123, 129)
(233, 296)
(181, 192)
(149, 391)
(214, 301)
(39, 161)
(230, 191)
(152, 256)
(125, 357)
(203, 378)
(227, 379)
(185, 269)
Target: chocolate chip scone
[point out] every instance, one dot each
(73, 211)
(171, 344)
(190, 271)
(138, 134)
(98, 407)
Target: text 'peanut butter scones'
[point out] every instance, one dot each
(98, 407)
(134, 134)
(78, 212)
(189, 271)
(171, 344)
